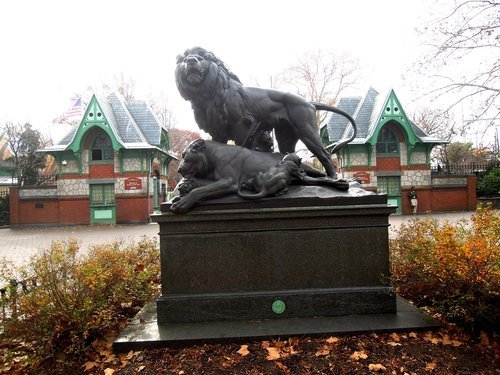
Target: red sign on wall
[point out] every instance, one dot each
(363, 177)
(133, 183)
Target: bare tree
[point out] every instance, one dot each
(125, 86)
(464, 61)
(443, 126)
(320, 76)
(163, 112)
(439, 124)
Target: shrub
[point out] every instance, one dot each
(4, 210)
(80, 297)
(490, 183)
(453, 267)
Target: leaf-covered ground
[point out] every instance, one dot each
(448, 350)
(445, 351)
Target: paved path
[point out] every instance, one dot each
(18, 244)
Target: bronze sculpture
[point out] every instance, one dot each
(213, 169)
(227, 110)
(275, 180)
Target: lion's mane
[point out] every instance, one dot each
(209, 98)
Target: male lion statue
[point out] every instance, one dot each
(227, 110)
(212, 170)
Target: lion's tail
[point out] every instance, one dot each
(252, 196)
(342, 142)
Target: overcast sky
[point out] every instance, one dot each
(54, 49)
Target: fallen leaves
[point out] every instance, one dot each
(332, 340)
(485, 340)
(274, 353)
(392, 343)
(395, 337)
(89, 365)
(441, 339)
(376, 367)
(126, 305)
(281, 349)
(105, 357)
(243, 350)
(357, 355)
(323, 352)
(430, 366)
(398, 353)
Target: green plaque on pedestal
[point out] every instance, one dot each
(278, 306)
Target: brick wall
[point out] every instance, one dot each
(453, 193)
(74, 210)
(101, 171)
(388, 164)
(132, 209)
(471, 192)
(424, 200)
(449, 199)
(14, 206)
(32, 211)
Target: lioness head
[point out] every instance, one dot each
(292, 158)
(197, 71)
(194, 161)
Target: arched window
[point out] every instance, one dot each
(387, 142)
(101, 148)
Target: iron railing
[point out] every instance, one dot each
(9, 294)
(465, 168)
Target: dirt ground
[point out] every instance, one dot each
(448, 350)
(445, 351)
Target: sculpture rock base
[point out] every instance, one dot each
(322, 257)
(266, 265)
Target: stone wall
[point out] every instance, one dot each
(72, 187)
(132, 165)
(417, 178)
(32, 193)
(72, 166)
(443, 181)
(418, 158)
(358, 159)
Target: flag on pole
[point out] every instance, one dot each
(76, 109)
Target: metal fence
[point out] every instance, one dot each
(465, 168)
(42, 180)
(9, 294)
(4, 190)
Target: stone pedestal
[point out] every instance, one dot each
(311, 262)
(323, 255)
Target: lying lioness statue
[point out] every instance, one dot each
(275, 180)
(212, 170)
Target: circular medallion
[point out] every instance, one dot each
(278, 306)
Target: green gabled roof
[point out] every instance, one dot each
(371, 113)
(98, 114)
(392, 110)
(129, 124)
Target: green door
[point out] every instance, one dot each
(102, 204)
(392, 187)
